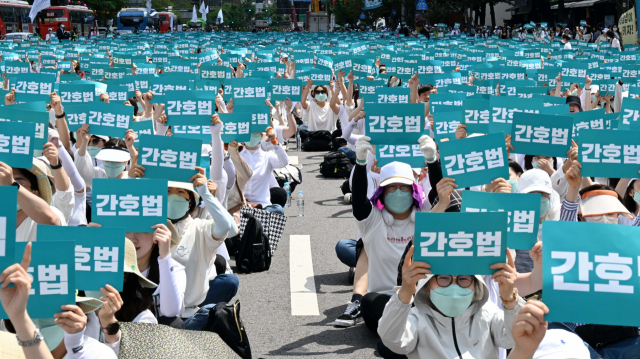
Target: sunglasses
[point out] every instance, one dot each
(464, 281)
(320, 92)
(94, 141)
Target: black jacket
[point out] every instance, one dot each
(60, 34)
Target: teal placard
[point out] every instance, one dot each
(446, 99)
(392, 95)
(202, 133)
(504, 107)
(541, 135)
(53, 273)
(121, 60)
(237, 126)
(9, 195)
(446, 123)
(164, 83)
(523, 210)
(99, 254)
(34, 87)
(107, 119)
(21, 113)
(190, 107)
(215, 72)
(477, 116)
(592, 119)
(392, 124)
(630, 115)
(609, 153)
(247, 91)
(281, 89)
(581, 269)
(135, 204)
(17, 144)
(171, 158)
(409, 153)
(141, 128)
(461, 243)
(74, 93)
(474, 161)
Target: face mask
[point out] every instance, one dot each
(398, 201)
(636, 197)
(452, 300)
(93, 151)
(603, 219)
(177, 206)
(545, 206)
(18, 207)
(514, 185)
(321, 97)
(255, 140)
(593, 98)
(574, 93)
(535, 164)
(113, 169)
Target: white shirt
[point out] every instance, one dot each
(567, 46)
(170, 290)
(196, 252)
(64, 201)
(615, 44)
(321, 118)
(27, 231)
(262, 163)
(81, 346)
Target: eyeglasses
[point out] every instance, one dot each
(610, 215)
(464, 281)
(403, 187)
(320, 92)
(94, 141)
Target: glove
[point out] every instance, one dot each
(362, 147)
(428, 148)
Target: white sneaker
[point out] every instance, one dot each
(347, 198)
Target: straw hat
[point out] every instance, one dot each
(46, 184)
(9, 348)
(131, 264)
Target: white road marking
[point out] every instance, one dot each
(304, 300)
(293, 160)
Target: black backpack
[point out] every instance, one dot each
(336, 165)
(600, 335)
(224, 319)
(318, 141)
(254, 254)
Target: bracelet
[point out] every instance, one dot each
(58, 166)
(61, 116)
(588, 89)
(515, 296)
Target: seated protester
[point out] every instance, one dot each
(153, 251)
(262, 160)
(78, 213)
(235, 198)
(282, 120)
(394, 81)
(35, 191)
(321, 115)
(62, 336)
(574, 103)
(631, 197)
(451, 314)
(199, 243)
(63, 198)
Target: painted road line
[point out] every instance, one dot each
(304, 300)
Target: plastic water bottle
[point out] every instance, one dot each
(287, 187)
(300, 200)
(298, 143)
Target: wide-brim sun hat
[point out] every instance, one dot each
(131, 264)
(114, 154)
(602, 202)
(186, 186)
(46, 184)
(535, 180)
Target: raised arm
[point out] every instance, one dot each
(304, 101)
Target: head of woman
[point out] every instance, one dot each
(394, 82)
(397, 191)
(181, 201)
(533, 161)
(320, 93)
(537, 181)
(601, 204)
(114, 156)
(632, 196)
(451, 295)
(515, 171)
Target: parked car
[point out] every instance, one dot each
(18, 37)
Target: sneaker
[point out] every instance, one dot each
(352, 275)
(347, 198)
(351, 315)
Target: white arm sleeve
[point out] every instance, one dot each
(222, 219)
(173, 282)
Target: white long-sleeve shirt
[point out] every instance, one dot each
(81, 346)
(88, 171)
(169, 294)
(262, 163)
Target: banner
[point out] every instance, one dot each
(394, 124)
(8, 215)
(581, 269)
(609, 153)
(627, 27)
(37, 6)
(474, 161)
(16, 144)
(170, 158)
(461, 243)
(99, 254)
(523, 210)
(53, 274)
(107, 119)
(544, 135)
(135, 204)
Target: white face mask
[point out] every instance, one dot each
(603, 219)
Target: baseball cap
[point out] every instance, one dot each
(396, 172)
(535, 180)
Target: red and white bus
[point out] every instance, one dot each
(14, 17)
(72, 15)
(164, 22)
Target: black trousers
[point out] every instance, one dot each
(372, 308)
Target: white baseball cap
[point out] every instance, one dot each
(535, 180)
(561, 344)
(396, 172)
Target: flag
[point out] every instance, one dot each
(202, 9)
(194, 15)
(37, 6)
(149, 7)
(220, 16)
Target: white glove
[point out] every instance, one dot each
(362, 147)
(428, 148)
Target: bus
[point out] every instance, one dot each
(137, 18)
(167, 21)
(71, 15)
(14, 17)
(199, 24)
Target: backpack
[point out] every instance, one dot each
(288, 173)
(224, 319)
(254, 254)
(317, 141)
(597, 336)
(336, 165)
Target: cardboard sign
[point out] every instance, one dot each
(8, 214)
(16, 144)
(107, 119)
(171, 158)
(609, 153)
(542, 135)
(394, 123)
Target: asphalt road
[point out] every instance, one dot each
(266, 297)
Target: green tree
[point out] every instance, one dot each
(101, 8)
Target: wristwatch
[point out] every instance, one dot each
(61, 116)
(112, 329)
(15, 183)
(29, 343)
(58, 166)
